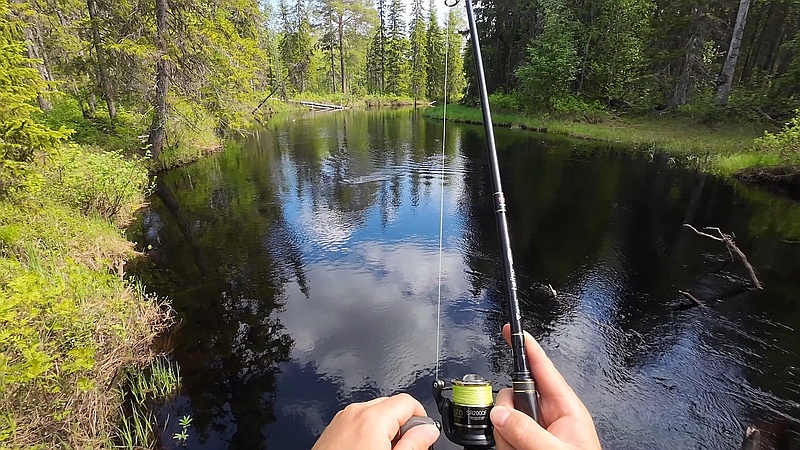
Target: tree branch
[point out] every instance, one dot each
(727, 239)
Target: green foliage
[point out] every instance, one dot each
(786, 142)
(192, 136)
(68, 324)
(552, 59)
(148, 386)
(21, 136)
(121, 134)
(456, 81)
(183, 435)
(614, 58)
(679, 136)
(734, 162)
(418, 52)
(106, 184)
(575, 107)
(502, 101)
(435, 49)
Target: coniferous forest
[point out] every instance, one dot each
(645, 55)
(96, 96)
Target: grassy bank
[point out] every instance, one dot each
(361, 101)
(71, 327)
(721, 148)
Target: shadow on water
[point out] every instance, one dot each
(303, 264)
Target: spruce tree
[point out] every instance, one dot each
(434, 44)
(419, 54)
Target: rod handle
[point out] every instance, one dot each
(526, 399)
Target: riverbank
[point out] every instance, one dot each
(724, 149)
(73, 328)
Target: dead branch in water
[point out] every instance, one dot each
(692, 298)
(727, 239)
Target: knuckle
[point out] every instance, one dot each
(405, 396)
(351, 410)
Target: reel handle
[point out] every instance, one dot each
(415, 421)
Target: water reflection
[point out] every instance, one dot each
(303, 263)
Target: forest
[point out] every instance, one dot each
(645, 55)
(96, 96)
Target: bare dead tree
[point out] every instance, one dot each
(727, 239)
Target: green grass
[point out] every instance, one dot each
(150, 385)
(722, 148)
(69, 322)
(98, 131)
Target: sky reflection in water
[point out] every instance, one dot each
(304, 266)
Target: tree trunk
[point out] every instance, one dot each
(330, 50)
(102, 69)
(34, 53)
(726, 76)
(333, 68)
(158, 132)
(692, 62)
(341, 54)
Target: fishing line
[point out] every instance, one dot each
(441, 200)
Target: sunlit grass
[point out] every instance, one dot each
(70, 322)
(730, 164)
(723, 148)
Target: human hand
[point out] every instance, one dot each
(375, 425)
(566, 423)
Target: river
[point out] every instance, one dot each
(302, 263)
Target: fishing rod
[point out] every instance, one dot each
(465, 415)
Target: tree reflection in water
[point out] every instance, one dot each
(303, 265)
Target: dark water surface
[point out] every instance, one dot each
(303, 266)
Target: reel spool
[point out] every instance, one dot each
(465, 417)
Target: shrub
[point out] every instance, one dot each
(552, 59)
(105, 184)
(508, 102)
(69, 326)
(786, 142)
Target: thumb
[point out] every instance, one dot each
(515, 430)
(420, 437)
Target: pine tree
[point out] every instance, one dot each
(297, 44)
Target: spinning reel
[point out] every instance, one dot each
(465, 416)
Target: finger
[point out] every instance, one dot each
(515, 430)
(420, 437)
(505, 398)
(549, 381)
(395, 411)
(374, 401)
(500, 442)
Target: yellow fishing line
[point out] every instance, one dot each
(472, 394)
